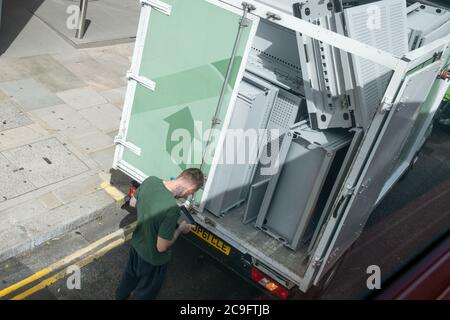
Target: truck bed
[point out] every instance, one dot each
(259, 244)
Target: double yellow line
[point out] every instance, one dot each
(78, 258)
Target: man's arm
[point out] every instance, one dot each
(162, 245)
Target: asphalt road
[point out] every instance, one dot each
(191, 275)
(414, 213)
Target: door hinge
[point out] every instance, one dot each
(349, 190)
(387, 106)
(317, 262)
(216, 121)
(147, 83)
(133, 148)
(158, 5)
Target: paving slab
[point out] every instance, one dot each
(45, 69)
(8, 72)
(11, 116)
(30, 94)
(35, 64)
(65, 120)
(50, 200)
(104, 158)
(115, 60)
(59, 80)
(82, 98)
(29, 209)
(105, 117)
(72, 57)
(3, 96)
(124, 49)
(21, 135)
(113, 134)
(115, 96)
(93, 142)
(81, 187)
(46, 162)
(97, 75)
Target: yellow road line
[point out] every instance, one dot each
(82, 263)
(63, 262)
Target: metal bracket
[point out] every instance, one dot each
(349, 190)
(248, 6)
(133, 148)
(387, 105)
(273, 16)
(158, 5)
(149, 84)
(317, 262)
(216, 121)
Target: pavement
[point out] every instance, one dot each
(60, 109)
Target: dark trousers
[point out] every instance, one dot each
(140, 278)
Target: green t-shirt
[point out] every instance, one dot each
(158, 215)
(447, 95)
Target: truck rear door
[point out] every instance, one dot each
(188, 60)
(379, 153)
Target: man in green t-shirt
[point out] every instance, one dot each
(444, 112)
(155, 233)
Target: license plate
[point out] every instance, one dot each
(212, 240)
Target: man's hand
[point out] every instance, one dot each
(162, 245)
(133, 202)
(185, 228)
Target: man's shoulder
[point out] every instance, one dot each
(151, 183)
(151, 180)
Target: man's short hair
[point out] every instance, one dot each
(194, 176)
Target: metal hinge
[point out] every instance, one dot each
(158, 5)
(216, 121)
(349, 190)
(149, 84)
(248, 6)
(273, 16)
(317, 262)
(437, 56)
(133, 148)
(387, 105)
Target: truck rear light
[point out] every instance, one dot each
(132, 191)
(269, 284)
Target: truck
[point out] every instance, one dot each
(302, 114)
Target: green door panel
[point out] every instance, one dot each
(187, 55)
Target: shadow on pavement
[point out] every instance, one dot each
(20, 13)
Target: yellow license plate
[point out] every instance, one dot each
(212, 240)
